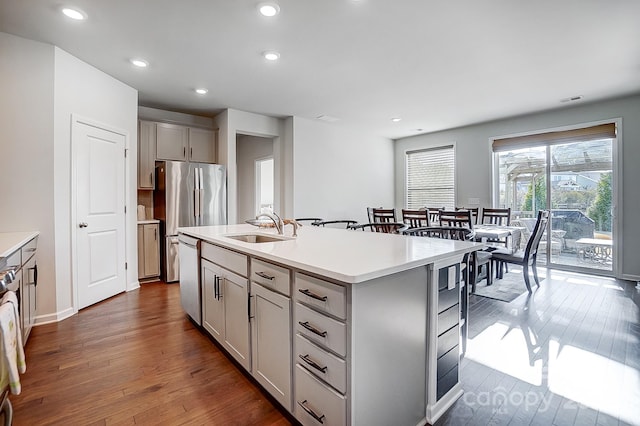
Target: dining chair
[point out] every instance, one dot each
(526, 259)
(343, 222)
(496, 216)
(434, 215)
(308, 219)
(384, 215)
(463, 219)
(500, 217)
(474, 212)
(459, 218)
(384, 227)
(415, 218)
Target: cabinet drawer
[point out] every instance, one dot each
(321, 329)
(328, 297)
(229, 259)
(447, 298)
(447, 340)
(271, 276)
(14, 260)
(448, 318)
(316, 403)
(29, 250)
(321, 363)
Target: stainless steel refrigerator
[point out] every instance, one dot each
(187, 194)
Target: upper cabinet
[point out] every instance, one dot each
(146, 154)
(202, 144)
(182, 143)
(173, 142)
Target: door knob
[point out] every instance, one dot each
(83, 224)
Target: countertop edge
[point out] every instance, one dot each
(347, 279)
(17, 240)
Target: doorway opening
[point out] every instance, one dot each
(255, 159)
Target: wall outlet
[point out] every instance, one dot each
(474, 201)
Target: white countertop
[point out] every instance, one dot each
(344, 255)
(12, 241)
(144, 222)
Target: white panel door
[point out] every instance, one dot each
(99, 197)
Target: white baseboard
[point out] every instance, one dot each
(630, 277)
(133, 286)
(54, 317)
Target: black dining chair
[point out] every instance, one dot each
(384, 215)
(308, 219)
(384, 227)
(482, 259)
(526, 259)
(342, 223)
(474, 212)
(415, 218)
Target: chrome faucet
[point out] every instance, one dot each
(276, 221)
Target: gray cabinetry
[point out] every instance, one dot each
(225, 306)
(148, 251)
(146, 154)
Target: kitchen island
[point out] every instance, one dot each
(341, 327)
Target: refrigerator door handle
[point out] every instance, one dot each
(201, 188)
(196, 197)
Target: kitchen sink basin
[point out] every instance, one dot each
(257, 238)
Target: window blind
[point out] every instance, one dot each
(431, 178)
(602, 131)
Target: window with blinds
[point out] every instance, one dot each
(431, 178)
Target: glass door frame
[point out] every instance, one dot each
(616, 219)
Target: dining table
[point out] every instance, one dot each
(494, 235)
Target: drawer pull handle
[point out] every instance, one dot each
(312, 329)
(312, 295)
(265, 276)
(311, 412)
(312, 363)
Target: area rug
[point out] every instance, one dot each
(508, 288)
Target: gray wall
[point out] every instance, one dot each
(248, 150)
(474, 160)
(42, 86)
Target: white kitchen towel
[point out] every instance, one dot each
(12, 359)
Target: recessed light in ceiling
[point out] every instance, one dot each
(76, 14)
(271, 55)
(140, 63)
(396, 119)
(269, 9)
(202, 91)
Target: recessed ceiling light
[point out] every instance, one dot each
(202, 91)
(140, 63)
(269, 9)
(76, 14)
(396, 119)
(271, 55)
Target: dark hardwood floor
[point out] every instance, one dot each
(568, 355)
(134, 359)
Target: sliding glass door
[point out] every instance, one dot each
(574, 180)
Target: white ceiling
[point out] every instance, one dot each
(435, 64)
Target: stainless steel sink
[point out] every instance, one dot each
(257, 238)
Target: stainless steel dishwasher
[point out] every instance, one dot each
(190, 277)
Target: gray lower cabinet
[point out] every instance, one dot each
(271, 342)
(148, 251)
(23, 262)
(225, 310)
(383, 351)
